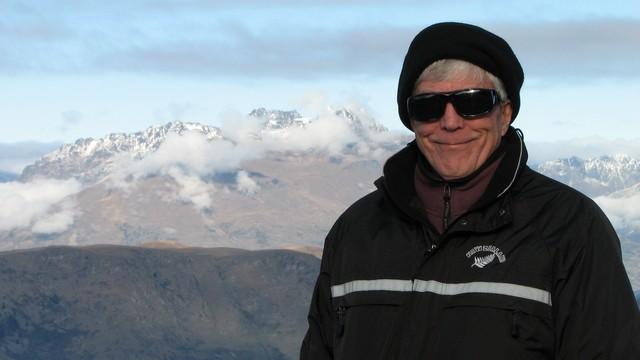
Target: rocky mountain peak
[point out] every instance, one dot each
(278, 119)
(594, 176)
(86, 157)
(90, 159)
(358, 124)
(138, 143)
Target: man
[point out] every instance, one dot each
(463, 252)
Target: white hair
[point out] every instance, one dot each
(448, 69)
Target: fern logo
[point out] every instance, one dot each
(483, 259)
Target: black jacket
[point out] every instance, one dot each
(532, 271)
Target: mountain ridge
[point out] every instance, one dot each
(89, 160)
(288, 193)
(118, 302)
(594, 176)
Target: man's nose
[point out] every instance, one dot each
(451, 120)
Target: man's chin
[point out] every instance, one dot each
(450, 173)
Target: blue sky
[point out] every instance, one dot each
(72, 69)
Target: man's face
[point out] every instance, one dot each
(456, 147)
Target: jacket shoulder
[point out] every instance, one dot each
(367, 205)
(538, 188)
(560, 209)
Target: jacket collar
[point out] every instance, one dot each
(397, 181)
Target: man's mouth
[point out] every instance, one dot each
(453, 143)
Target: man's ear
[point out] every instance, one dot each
(506, 110)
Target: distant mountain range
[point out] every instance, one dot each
(301, 191)
(594, 177)
(279, 184)
(278, 119)
(91, 159)
(114, 302)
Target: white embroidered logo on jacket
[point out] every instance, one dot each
(482, 261)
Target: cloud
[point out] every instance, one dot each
(623, 212)
(56, 222)
(328, 133)
(25, 23)
(192, 189)
(196, 38)
(190, 152)
(218, 4)
(585, 49)
(306, 53)
(40, 204)
(245, 183)
(186, 158)
(190, 158)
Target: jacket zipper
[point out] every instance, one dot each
(341, 314)
(447, 207)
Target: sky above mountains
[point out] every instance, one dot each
(73, 69)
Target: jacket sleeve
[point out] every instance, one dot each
(318, 341)
(595, 312)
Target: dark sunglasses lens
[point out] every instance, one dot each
(426, 109)
(472, 104)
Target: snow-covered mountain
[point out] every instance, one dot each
(594, 176)
(361, 126)
(279, 119)
(90, 159)
(282, 184)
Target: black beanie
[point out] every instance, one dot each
(466, 42)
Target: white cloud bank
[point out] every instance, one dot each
(623, 212)
(192, 189)
(190, 158)
(42, 205)
(187, 38)
(246, 184)
(329, 133)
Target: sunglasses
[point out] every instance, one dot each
(468, 103)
